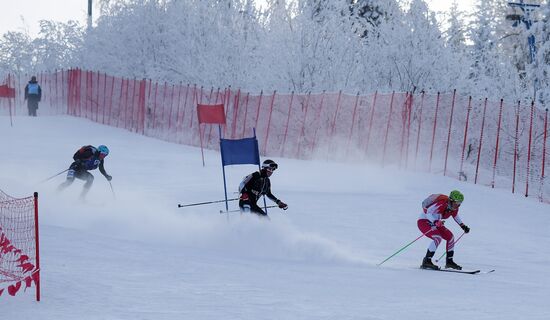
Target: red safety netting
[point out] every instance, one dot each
(498, 144)
(18, 244)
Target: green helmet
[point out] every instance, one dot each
(456, 196)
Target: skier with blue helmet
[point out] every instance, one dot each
(85, 159)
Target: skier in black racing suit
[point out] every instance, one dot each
(254, 186)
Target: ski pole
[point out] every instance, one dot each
(113, 190)
(201, 203)
(55, 175)
(388, 258)
(444, 253)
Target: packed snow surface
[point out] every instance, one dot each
(131, 253)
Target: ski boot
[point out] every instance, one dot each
(450, 264)
(427, 261)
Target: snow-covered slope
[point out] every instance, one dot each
(135, 255)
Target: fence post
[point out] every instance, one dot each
(335, 114)
(449, 133)
(370, 122)
(465, 138)
(245, 113)
(184, 106)
(318, 120)
(179, 123)
(543, 155)
(433, 133)
(225, 110)
(236, 103)
(193, 106)
(496, 144)
(97, 98)
(404, 116)
(141, 106)
(126, 100)
(419, 128)
(352, 123)
(269, 121)
(480, 140)
(171, 108)
(133, 107)
(258, 109)
(387, 129)
(287, 122)
(303, 131)
(56, 92)
(110, 111)
(409, 114)
(529, 149)
(104, 105)
(515, 149)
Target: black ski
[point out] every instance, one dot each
(461, 271)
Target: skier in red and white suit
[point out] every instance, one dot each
(437, 208)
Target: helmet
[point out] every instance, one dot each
(103, 150)
(33, 78)
(456, 196)
(269, 164)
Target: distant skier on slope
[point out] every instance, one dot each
(86, 158)
(255, 185)
(437, 208)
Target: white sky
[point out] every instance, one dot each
(32, 11)
(13, 12)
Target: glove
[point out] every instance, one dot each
(108, 177)
(465, 228)
(78, 165)
(282, 205)
(439, 223)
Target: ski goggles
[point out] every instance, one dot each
(271, 167)
(454, 203)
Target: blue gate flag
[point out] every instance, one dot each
(240, 151)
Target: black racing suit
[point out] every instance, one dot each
(257, 186)
(86, 158)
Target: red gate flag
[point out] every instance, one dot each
(7, 92)
(211, 113)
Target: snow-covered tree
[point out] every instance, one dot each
(16, 52)
(492, 73)
(541, 31)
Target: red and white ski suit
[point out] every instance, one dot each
(439, 210)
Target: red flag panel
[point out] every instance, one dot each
(211, 113)
(7, 92)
